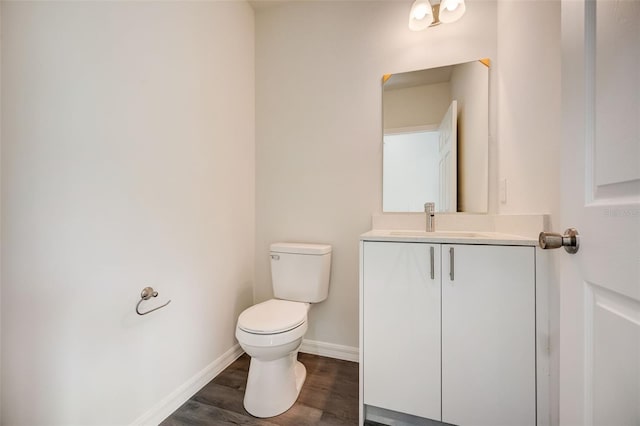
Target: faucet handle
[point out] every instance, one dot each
(429, 207)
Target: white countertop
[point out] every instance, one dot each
(448, 237)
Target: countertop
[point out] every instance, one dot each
(448, 237)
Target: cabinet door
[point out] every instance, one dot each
(401, 337)
(488, 335)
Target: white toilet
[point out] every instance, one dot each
(271, 332)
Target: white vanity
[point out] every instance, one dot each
(448, 328)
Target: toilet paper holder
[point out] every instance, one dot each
(146, 294)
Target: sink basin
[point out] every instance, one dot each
(438, 234)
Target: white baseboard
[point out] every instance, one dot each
(330, 350)
(175, 399)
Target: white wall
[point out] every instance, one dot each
(319, 127)
(528, 79)
(470, 88)
(1, 210)
(528, 71)
(416, 106)
(127, 161)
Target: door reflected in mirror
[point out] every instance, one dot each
(435, 142)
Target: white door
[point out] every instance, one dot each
(600, 285)
(448, 150)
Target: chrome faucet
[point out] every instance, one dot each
(430, 210)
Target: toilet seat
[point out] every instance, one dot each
(273, 316)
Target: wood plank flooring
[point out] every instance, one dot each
(329, 397)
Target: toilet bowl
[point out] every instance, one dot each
(271, 332)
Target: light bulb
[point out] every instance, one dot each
(452, 5)
(451, 10)
(421, 15)
(420, 11)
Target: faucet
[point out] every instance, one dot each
(430, 210)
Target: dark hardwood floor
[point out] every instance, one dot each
(329, 397)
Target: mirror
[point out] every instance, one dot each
(436, 139)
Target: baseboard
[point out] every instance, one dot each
(388, 417)
(175, 399)
(330, 350)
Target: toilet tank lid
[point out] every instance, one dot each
(300, 248)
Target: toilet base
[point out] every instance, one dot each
(273, 386)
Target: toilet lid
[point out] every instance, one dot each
(273, 316)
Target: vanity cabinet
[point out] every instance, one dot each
(450, 339)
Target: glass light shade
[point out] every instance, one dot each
(421, 15)
(451, 10)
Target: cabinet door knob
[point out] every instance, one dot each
(551, 240)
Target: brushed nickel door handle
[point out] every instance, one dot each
(551, 240)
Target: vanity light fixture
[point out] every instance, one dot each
(421, 15)
(451, 10)
(424, 15)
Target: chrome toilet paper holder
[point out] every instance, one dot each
(146, 294)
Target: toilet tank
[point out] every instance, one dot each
(300, 271)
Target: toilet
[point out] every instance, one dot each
(271, 332)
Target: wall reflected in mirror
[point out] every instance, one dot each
(435, 141)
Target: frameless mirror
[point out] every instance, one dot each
(436, 138)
